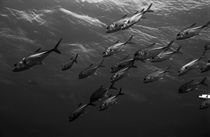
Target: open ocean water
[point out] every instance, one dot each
(37, 102)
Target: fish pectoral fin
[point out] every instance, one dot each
(40, 63)
(143, 17)
(95, 74)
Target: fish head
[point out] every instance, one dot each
(205, 69)
(148, 79)
(82, 75)
(179, 36)
(141, 55)
(20, 66)
(181, 90)
(182, 71)
(204, 105)
(184, 35)
(114, 69)
(107, 53)
(112, 28)
(73, 117)
(102, 107)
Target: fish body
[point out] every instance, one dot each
(116, 48)
(78, 112)
(124, 64)
(90, 70)
(34, 59)
(127, 21)
(68, 65)
(110, 101)
(192, 86)
(191, 31)
(165, 55)
(155, 76)
(150, 53)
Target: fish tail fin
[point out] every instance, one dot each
(129, 40)
(133, 62)
(112, 86)
(120, 93)
(178, 50)
(203, 82)
(149, 9)
(168, 69)
(207, 47)
(101, 63)
(75, 59)
(206, 25)
(203, 53)
(55, 49)
(169, 45)
(91, 104)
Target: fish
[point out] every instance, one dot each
(69, 64)
(100, 93)
(156, 75)
(149, 53)
(124, 64)
(192, 85)
(90, 70)
(191, 31)
(116, 47)
(119, 75)
(205, 103)
(204, 96)
(35, 58)
(192, 64)
(166, 55)
(206, 67)
(80, 110)
(126, 21)
(111, 100)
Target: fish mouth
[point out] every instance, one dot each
(146, 81)
(17, 70)
(14, 70)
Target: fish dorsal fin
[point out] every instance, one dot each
(124, 16)
(117, 41)
(190, 59)
(124, 58)
(110, 95)
(90, 65)
(39, 49)
(191, 81)
(80, 104)
(192, 25)
(136, 12)
(150, 45)
(140, 11)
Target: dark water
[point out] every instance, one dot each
(37, 102)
